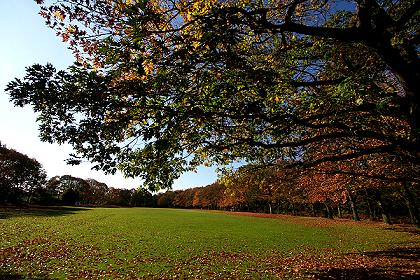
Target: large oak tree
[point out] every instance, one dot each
(163, 86)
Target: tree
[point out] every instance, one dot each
(70, 196)
(99, 191)
(141, 198)
(165, 199)
(212, 195)
(70, 190)
(345, 179)
(185, 198)
(20, 176)
(163, 86)
(119, 197)
(260, 187)
(252, 185)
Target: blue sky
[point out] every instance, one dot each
(25, 41)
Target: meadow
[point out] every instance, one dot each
(146, 243)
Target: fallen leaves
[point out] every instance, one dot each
(48, 258)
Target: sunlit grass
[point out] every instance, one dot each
(140, 242)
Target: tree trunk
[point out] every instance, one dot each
(405, 65)
(370, 209)
(353, 206)
(340, 215)
(411, 204)
(28, 198)
(328, 211)
(278, 208)
(313, 209)
(269, 207)
(385, 215)
(384, 211)
(371, 206)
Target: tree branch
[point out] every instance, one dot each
(344, 34)
(409, 13)
(318, 83)
(353, 155)
(369, 176)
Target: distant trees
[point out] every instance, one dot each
(314, 192)
(20, 176)
(141, 198)
(70, 197)
(119, 197)
(99, 192)
(23, 180)
(210, 197)
(69, 189)
(165, 199)
(72, 190)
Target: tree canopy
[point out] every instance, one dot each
(20, 176)
(161, 87)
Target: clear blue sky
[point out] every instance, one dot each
(25, 41)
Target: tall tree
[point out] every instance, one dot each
(20, 176)
(367, 172)
(163, 86)
(99, 191)
(253, 185)
(70, 189)
(141, 198)
(165, 199)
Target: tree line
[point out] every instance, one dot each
(265, 190)
(250, 188)
(24, 181)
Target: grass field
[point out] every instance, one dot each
(137, 243)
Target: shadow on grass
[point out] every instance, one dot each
(405, 228)
(9, 276)
(15, 276)
(363, 274)
(37, 211)
(411, 253)
(398, 263)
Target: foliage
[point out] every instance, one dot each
(315, 192)
(20, 176)
(252, 185)
(72, 190)
(141, 198)
(99, 192)
(146, 243)
(163, 86)
(165, 199)
(70, 196)
(22, 179)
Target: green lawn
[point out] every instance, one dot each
(137, 243)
